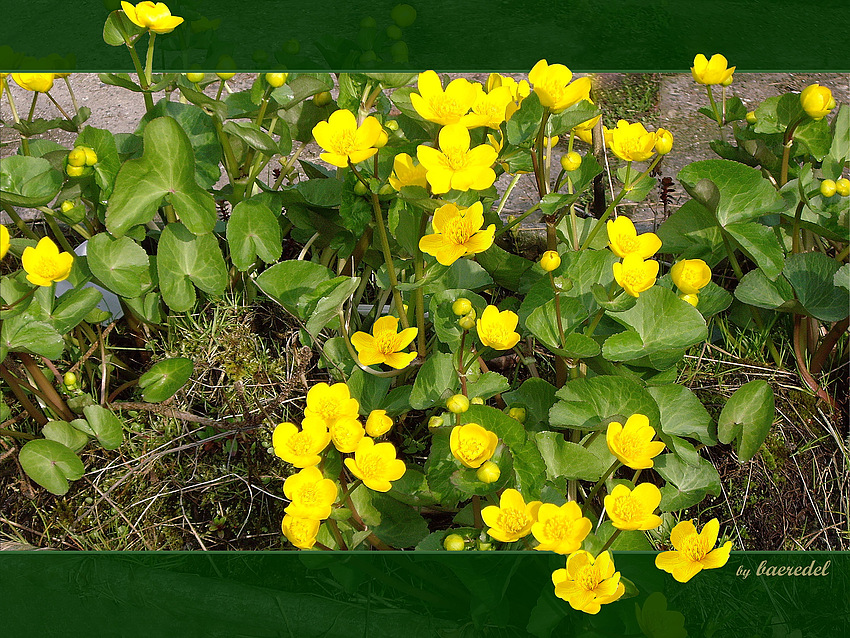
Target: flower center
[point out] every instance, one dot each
(308, 495)
(512, 521)
(693, 548)
(629, 244)
(458, 231)
(496, 333)
(300, 529)
(370, 465)
(634, 278)
(627, 508)
(301, 443)
(49, 268)
(588, 578)
(329, 409)
(446, 108)
(385, 342)
(344, 142)
(344, 433)
(457, 157)
(629, 445)
(471, 448)
(556, 528)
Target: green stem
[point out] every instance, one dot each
(561, 336)
(461, 372)
(140, 73)
(613, 537)
(56, 104)
(788, 142)
(591, 438)
(516, 221)
(287, 168)
(599, 485)
(419, 293)
(149, 60)
(17, 389)
(714, 106)
(229, 158)
(542, 178)
(795, 234)
(71, 93)
(220, 89)
(16, 219)
(32, 106)
(16, 435)
(25, 143)
(508, 190)
(385, 247)
(60, 236)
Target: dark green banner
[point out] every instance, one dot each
(421, 594)
(476, 35)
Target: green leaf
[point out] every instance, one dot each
(51, 465)
(487, 385)
(106, 426)
(185, 259)
(814, 137)
(120, 264)
(508, 270)
(561, 123)
(581, 178)
(692, 233)
(658, 323)
(760, 244)
(627, 541)
(401, 525)
(586, 269)
(567, 460)
(392, 80)
(369, 390)
(840, 149)
(330, 299)
(592, 403)
(445, 321)
(812, 277)
(28, 181)
(523, 125)
(440, 467)
(291, 284)
(463, 273)
(253, 231)
(435, 382)
(543, 323)
(62, 432)
(199, 129)
(682, 414)
(302, 86)
(509, 430)
(118, 29)
(713, 299)
(530, 469)
(108, 163)
(756, 289)
(841, 278)
(742, 194)
(686, 483)
(775, 114)
(397, 401)
(537, 396)
(22, 333)
(165, 378)
(165, 170)
(253, 136)
(326, 193)
(746, 418)
(73, 307)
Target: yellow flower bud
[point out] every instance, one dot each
(817, 101)
(74, 171)
(550, 260)
(454, 543)
(827, 188)
(457, 404)
(393, 32)
(67, 206)
(382, 139)
(69, 380)
(5, 240)
(518, 413)
(691, 299)
(360, 188)
(276, 79)
(77, 157)
(489, 472)
(39, 82)
(461, 306)
(392, 125)
(727, 81)
(571, 161)
(842, 187)
(664, 143)
(195, 77)
(225, 76)
(91, 156)
(466, 323)
(435, 422)
(155, 17)
(714, 71)
(378, 423)
(551, 142)
(751, 117)
(322, 99)
(403, 15)
(476, 401)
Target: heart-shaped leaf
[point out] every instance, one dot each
(746, 418)
(105, 425)
(51, 464)
(165, 378)
(253, 231)
(120, 264)
(185, 260)
(28, 181)
(64, 433)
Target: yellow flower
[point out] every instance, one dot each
(550, 260)
(631, 142)
(378, 423)
(406, 174)
(496, 329)
(4, 241)
(632, 444)
(346, 434)
(442, 107)
(583, 130)
(472, 444)
(817, 101)
(301, 532)
(489, 109)
(154, 17)
(512, 519)
(385, 344)
(560, 529)
(633, 509)
(40, 82)
(553, 87)
(376, 465)
(458, 233)
(312, 495)
(624, 240)
(690, 275)
(301, 448)
(714, 71)
(664, 141)
(45, 264)
(635, 275)
(344, 141)
(588, 583)
(454, 164)
(519, 91)
(693, 551)
(330, 403)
